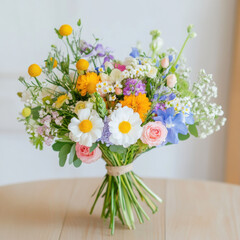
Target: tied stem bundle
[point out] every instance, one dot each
(122, 189)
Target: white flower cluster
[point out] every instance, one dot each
(208, 115)
(180, 105)
(139, 68)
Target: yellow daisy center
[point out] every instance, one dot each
(85, 126)
(124, 127)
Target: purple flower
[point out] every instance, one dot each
(134, 53)
(134, 86)
(174, 123)
(105, 133)
(100, 50)
(108, 58)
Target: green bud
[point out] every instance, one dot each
(19, 94)
(189, 28)
(79, 22)
(155, 34)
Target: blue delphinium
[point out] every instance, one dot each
(175, 124)
(134, 53)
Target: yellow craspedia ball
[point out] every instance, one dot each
(34, 70)
(55, 62)
(65, 30)
(26, 112)
(82, 65)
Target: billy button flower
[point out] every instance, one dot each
(82, 65)
(26, 112)
(34, 70)
(65, 30)
(54, 63)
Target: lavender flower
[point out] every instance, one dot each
(134, 86)
(105, 133)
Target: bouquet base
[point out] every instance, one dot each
(121, 199)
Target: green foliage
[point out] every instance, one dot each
(35, 112)
(57, 146)
(100, 105)
(93, 146)
(72, 153)
(57, 32)
(193, 130)
(77, 163)
(183, 137)
(117, 148)
(64, 151)
(37, 141)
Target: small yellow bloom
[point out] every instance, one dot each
(55, 62)
(26, 112)
(65, 30)
(82, 64)
(34, 70)
(61, 100)
(79, 105)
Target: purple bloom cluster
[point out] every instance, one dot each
(134, 86)
(105, 133)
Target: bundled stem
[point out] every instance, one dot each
(121, 198)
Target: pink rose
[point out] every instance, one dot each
(120, 67)
(171, 80)
(154, 133)
(165, 62)
(118, 91)
(84, 154)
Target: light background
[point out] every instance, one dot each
(26, 35)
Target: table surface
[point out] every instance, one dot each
(59, 209)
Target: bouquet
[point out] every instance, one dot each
(87, 104)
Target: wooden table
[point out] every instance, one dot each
(59, 209)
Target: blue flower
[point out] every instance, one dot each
(174, 124)
(134, 53)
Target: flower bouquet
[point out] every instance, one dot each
(88, 105)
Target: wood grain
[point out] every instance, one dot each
(59, 209)
(232, 174)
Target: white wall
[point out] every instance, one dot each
(26, 29)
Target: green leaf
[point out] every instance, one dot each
(117, 148)
(35, 112)
(183, 137)
(57, 146)
(72, 153)
(57, 32)
(193, 130)
(79, 22)
(109, 70)
(63, 154)
(64, 140)
(93, 146)
(77, 163)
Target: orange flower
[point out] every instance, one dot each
(87, 83)
(139, 104)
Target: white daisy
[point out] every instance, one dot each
(125, 127)
(87, 128)
(112, 98)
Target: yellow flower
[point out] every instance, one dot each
(139, 104)
(82, 64)
(61, 100)
(65, 30)
(26, 112)
(87, 83)
(34, 70)
(55, 62)
(79, 105)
